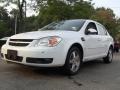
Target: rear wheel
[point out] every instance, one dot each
(109, 57)
(73, 61)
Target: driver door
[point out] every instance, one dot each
(91, 42)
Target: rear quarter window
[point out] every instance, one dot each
(101, 29)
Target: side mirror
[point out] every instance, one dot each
(91, 31)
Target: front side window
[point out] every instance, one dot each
(91, 26)
(66, 25)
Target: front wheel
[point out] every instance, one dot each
(109, 57)
(73, 61)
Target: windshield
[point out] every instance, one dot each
(68, 25)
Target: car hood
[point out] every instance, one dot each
(41, 34)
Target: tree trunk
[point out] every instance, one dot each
(21, 16)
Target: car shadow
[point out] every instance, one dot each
(92, 63)
(35, 72)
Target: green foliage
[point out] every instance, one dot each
(3, 14)
(21, 12)
(31, 24)
(3, 26)
(54, 10)
(107, 18)
(4, 22)
(83, 9)
(4, 30)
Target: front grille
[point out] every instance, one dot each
(20, 42)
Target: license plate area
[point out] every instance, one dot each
(12, 54)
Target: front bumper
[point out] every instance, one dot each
(55, 54)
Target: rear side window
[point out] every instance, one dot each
(101, 29)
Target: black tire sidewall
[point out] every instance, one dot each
(67, 63)
(107, 59)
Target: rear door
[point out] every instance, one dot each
(102, 32)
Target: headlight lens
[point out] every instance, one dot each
(48, 41)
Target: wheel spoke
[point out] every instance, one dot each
(77, 58)
(74, 54)
(73, 67)
(71, 61)
(75, 61)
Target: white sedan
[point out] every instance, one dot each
(65, 44)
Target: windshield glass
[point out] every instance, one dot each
(68, 25)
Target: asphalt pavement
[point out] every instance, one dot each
(94, 75)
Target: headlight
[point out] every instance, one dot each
(48, 41)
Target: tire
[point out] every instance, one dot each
(109, 57)
(73, 61)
